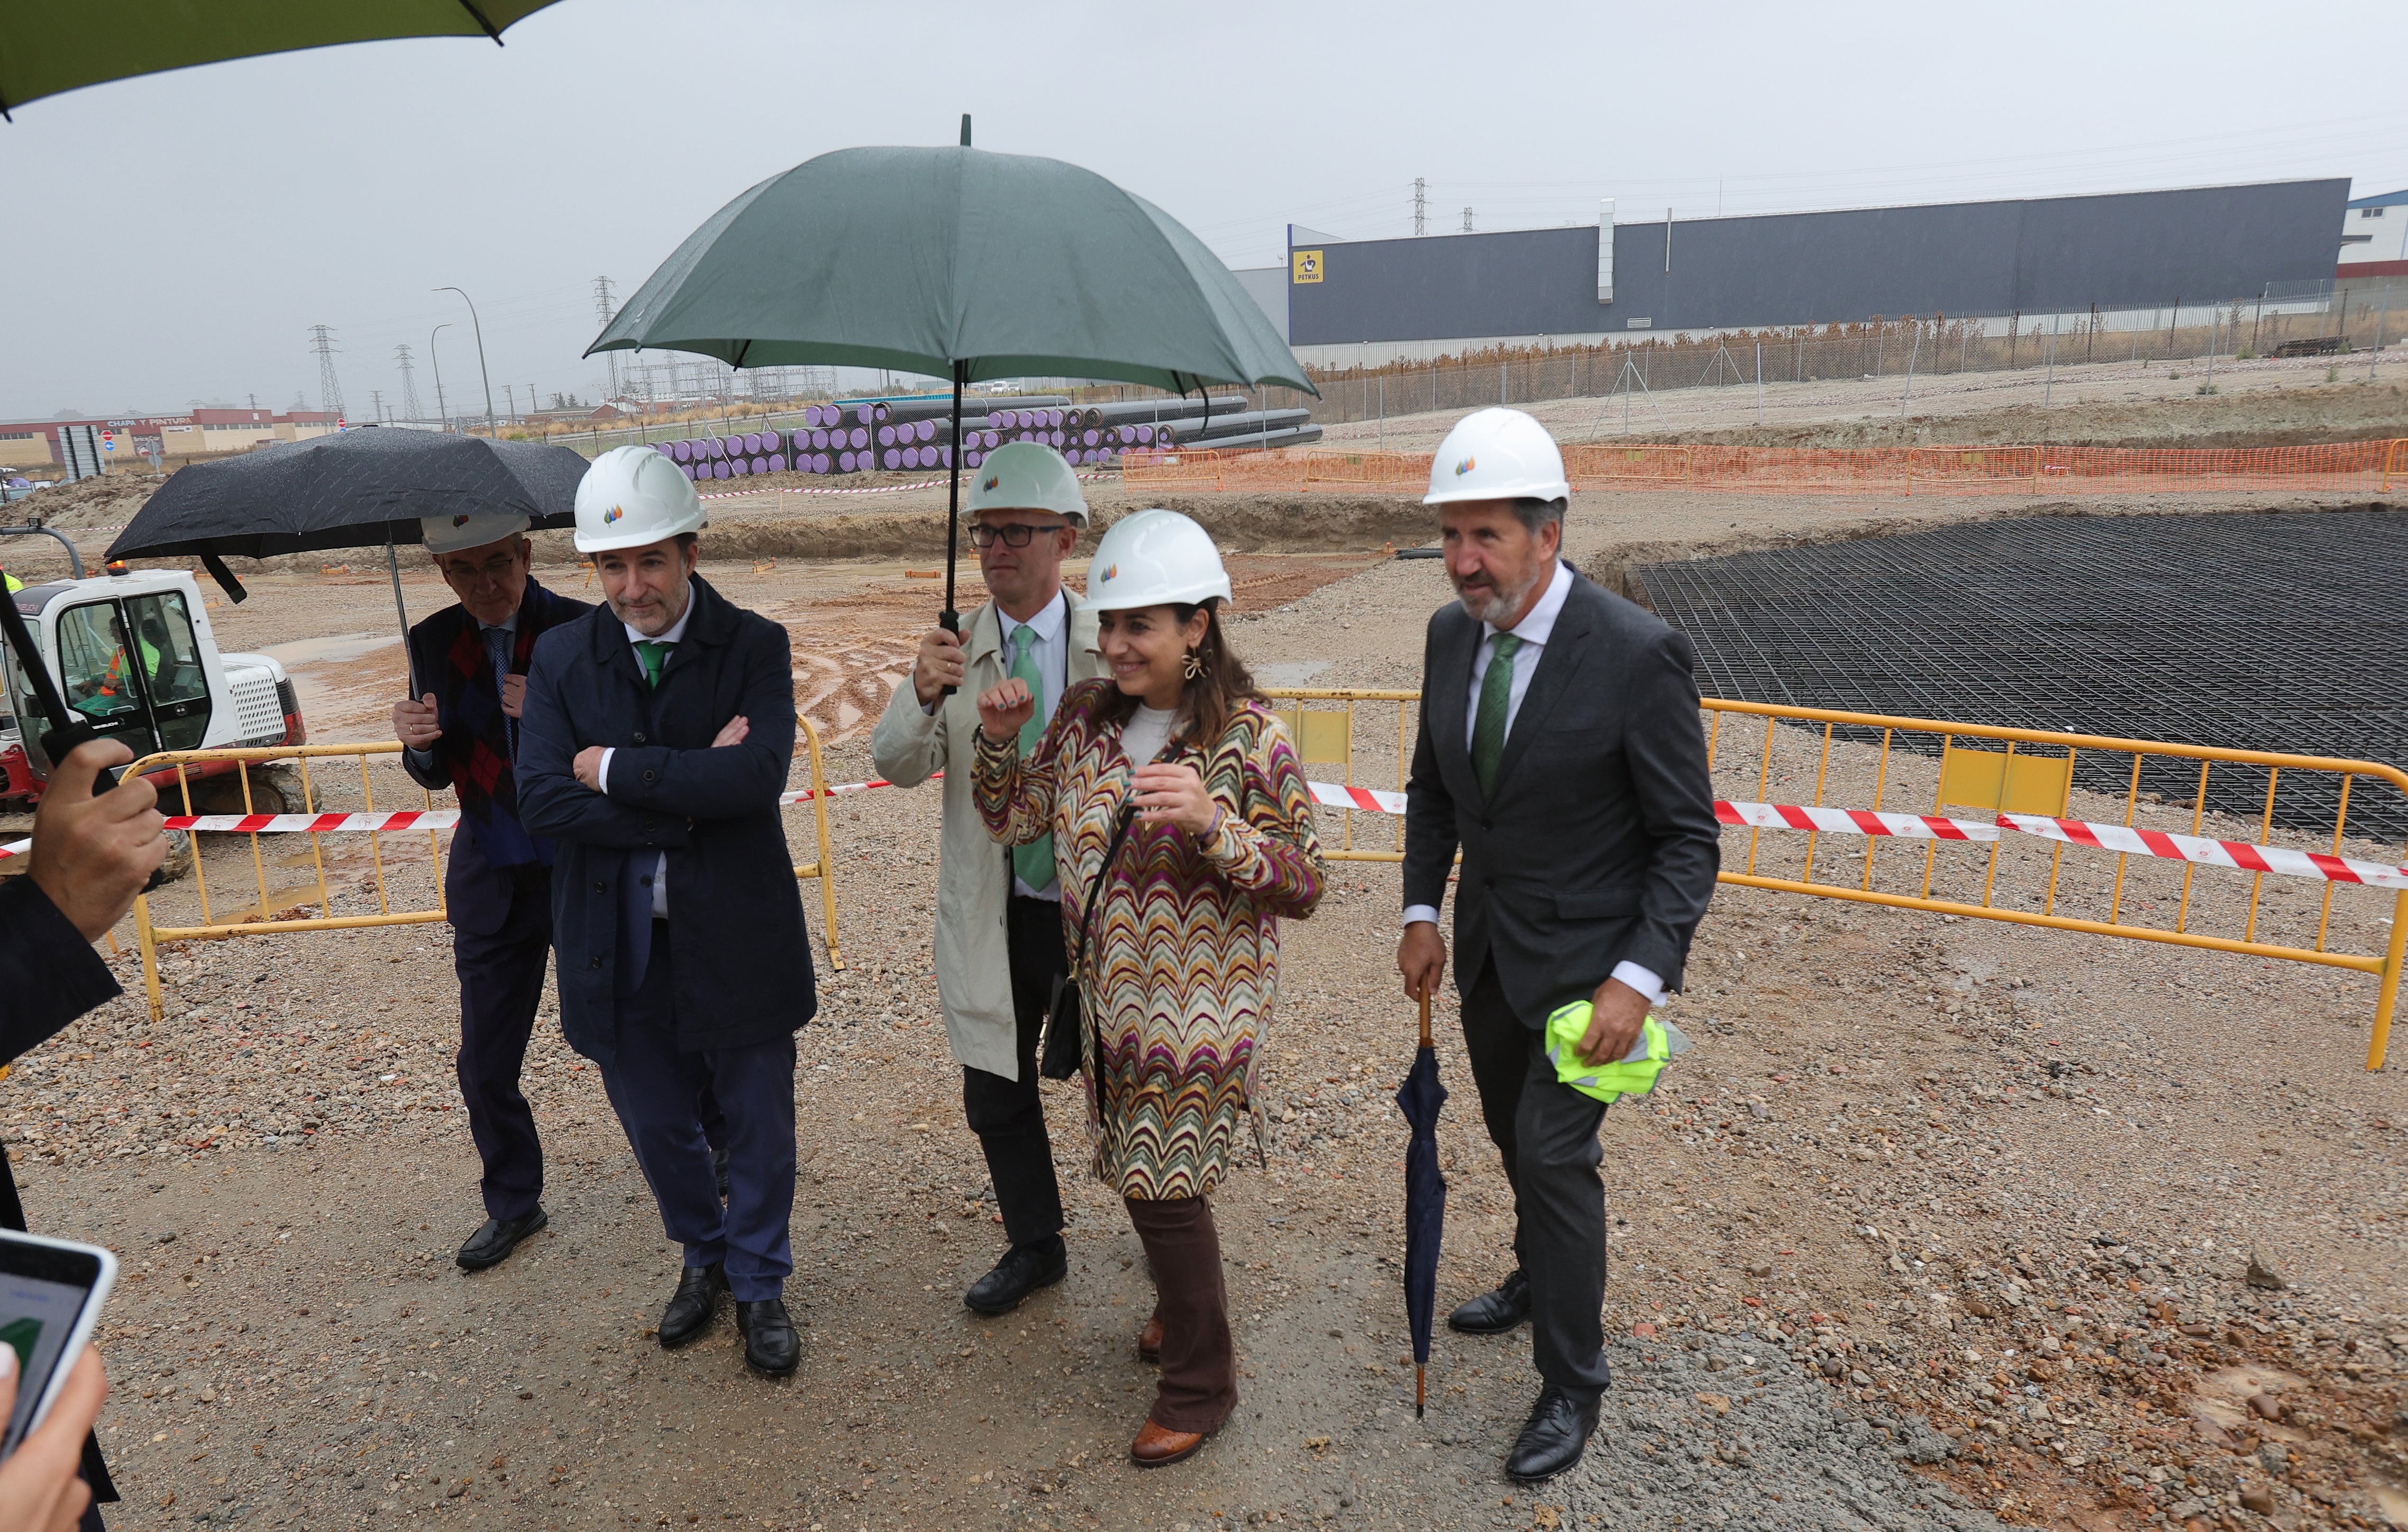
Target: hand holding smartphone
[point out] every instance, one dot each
(50, 1294)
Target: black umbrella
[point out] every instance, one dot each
(355, 489)
(1420, 1097)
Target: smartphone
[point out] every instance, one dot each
(50, 1294)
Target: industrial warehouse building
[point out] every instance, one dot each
(1343, 302)
(35, 444)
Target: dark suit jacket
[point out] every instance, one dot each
(743, 958)
(475, 893)
(48, 975)
(1598, 843)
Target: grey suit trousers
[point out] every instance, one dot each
(1547, 1133)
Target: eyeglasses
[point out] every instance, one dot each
(1014, 534)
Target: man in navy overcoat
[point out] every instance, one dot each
(657, 741)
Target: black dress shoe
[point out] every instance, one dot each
(1554, 1437)
(1494, 1313)
(491, 1244)
(771, 1344)
(694, 1304)
(719, 1169)
(1022, 1270)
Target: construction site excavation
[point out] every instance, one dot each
(1956, 1218)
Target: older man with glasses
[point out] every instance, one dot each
(998, 927)
(469, 662)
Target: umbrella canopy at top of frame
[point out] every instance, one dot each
(351, 490)
(46, 49)
(919, 259)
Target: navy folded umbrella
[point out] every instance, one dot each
(1419, 1098)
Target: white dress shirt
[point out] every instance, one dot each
(1051, 650)
(1533, 630)
(602, 773)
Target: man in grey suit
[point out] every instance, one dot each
(1560, 748)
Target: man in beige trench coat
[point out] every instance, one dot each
(998, 936)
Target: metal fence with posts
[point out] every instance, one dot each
(337, 809)
(2339, 467)
(2037, 848)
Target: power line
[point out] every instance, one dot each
(603, 310)
(409, 385)
(330, 388)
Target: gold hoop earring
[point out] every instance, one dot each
(1193, 665)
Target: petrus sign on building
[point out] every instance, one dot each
(1449, 293)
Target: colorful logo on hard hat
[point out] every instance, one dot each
(1109, 570)
(1466, 467)
(991, 483)
(611, 515)
(459, 521)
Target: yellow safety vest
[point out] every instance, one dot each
(1634, 1074)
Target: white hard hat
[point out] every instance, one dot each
(1496, 454)
(451, 533)
(1028, 476)
(632, 496)
(1154, 558)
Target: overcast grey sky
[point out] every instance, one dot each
(171, 238)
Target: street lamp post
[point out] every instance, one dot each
(432, 355)
(480, 328)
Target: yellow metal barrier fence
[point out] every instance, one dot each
(1325, 737)
(264, 919)
(1823, 758)
(824, 868)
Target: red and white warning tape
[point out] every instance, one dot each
(16, 848)
(2235, 855)
(2239, 855)
(419, 819)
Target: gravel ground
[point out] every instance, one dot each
(1945, 1221)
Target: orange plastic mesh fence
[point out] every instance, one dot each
(2340, 466)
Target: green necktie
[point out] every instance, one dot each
(1495, 706)
(655, 653)
(1032, 863)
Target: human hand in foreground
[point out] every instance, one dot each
(938, 667)
(91, 855)
(514, 695)
(415, 723)
(588, 766)
(1616, 1014)
(733, 732)
(39, 1491)
(1173, 794)
(1421, 957)
(1004, 708)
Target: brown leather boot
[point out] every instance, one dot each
(1154, 1447)
(1148, 1341)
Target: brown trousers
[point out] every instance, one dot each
(1198, 1383)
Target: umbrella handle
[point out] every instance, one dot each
(951, 618)
(1426, 1027)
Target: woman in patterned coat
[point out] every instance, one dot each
(1183, 958)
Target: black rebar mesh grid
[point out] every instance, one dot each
(2273, 632)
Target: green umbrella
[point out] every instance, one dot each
(960, 263)
(46, 49)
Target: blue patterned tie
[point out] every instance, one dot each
(497, 648)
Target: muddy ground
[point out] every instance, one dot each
(1944, 1221)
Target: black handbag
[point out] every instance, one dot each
(1066, 1013)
